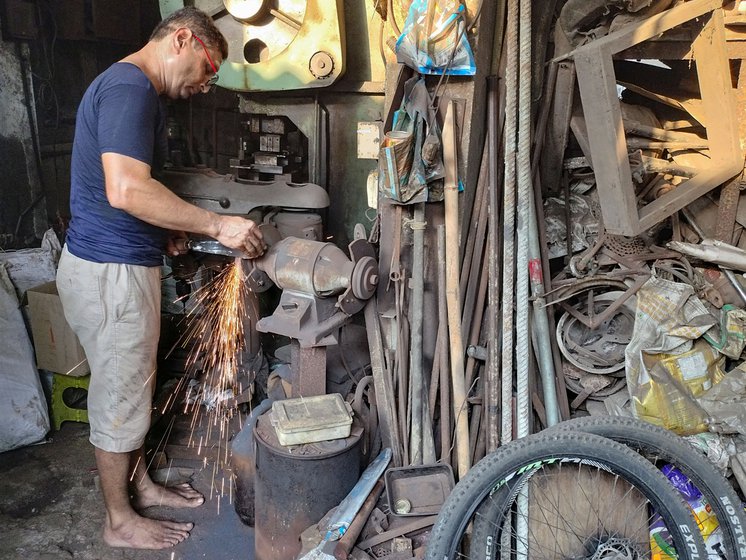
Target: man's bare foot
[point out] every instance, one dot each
(179, 496)
(141, 532)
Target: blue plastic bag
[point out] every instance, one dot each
(434, 41)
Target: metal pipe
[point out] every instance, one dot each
(727, 273)
(347, 542)
(357, 401)
(358, 407)
(476, 334)
(492, 371)
(525, 187)
(636, 143)
(541, 321)
(415, 349)
(509, 206)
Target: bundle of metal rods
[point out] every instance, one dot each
(479, 388)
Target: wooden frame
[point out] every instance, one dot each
(607, 140)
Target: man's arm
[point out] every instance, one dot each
(130, 187)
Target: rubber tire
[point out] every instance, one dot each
(669, 447)
(502, 464)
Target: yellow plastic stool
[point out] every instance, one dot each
(61, 412)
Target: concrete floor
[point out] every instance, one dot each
(51, 508)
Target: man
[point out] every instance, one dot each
(109, 275)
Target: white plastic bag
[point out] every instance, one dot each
(22, 402)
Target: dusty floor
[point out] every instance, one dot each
(51, 509)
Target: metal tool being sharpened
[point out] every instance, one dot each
(214, 248)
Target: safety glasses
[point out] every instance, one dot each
(214, 79)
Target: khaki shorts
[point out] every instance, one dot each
(115, 311)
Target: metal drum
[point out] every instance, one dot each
(296, 486)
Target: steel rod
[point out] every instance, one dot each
(523, 168)
(415, 349)
(492, 370)
(525, 186)
(509, 208)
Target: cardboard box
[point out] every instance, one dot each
(57, 347)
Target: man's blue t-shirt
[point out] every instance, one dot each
(120, 113)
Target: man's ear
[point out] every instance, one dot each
(180, 38)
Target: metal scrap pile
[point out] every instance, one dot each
(641, 172)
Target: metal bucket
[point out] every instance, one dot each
(296, 486)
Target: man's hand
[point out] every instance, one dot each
(244, 235)
(177, 243)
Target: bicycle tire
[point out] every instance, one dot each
(656, 443)
(500, 474)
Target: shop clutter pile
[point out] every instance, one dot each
(647, 252)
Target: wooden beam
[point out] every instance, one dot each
(607, 142)
(638, 32)
(716, 91)
(685, 193)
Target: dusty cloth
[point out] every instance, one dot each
(115, 311)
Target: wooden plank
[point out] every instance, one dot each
(740, 94)
(719, 106)
(713, 73)
(573, 501)
(677, 50)
(608, 146)
(692, 106)
(580, 131)
(684, 194)
(606, 139)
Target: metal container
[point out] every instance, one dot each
(418, 490)
(311, 419)
(296, 486)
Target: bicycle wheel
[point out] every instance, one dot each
(562, 496)
(661, 446)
